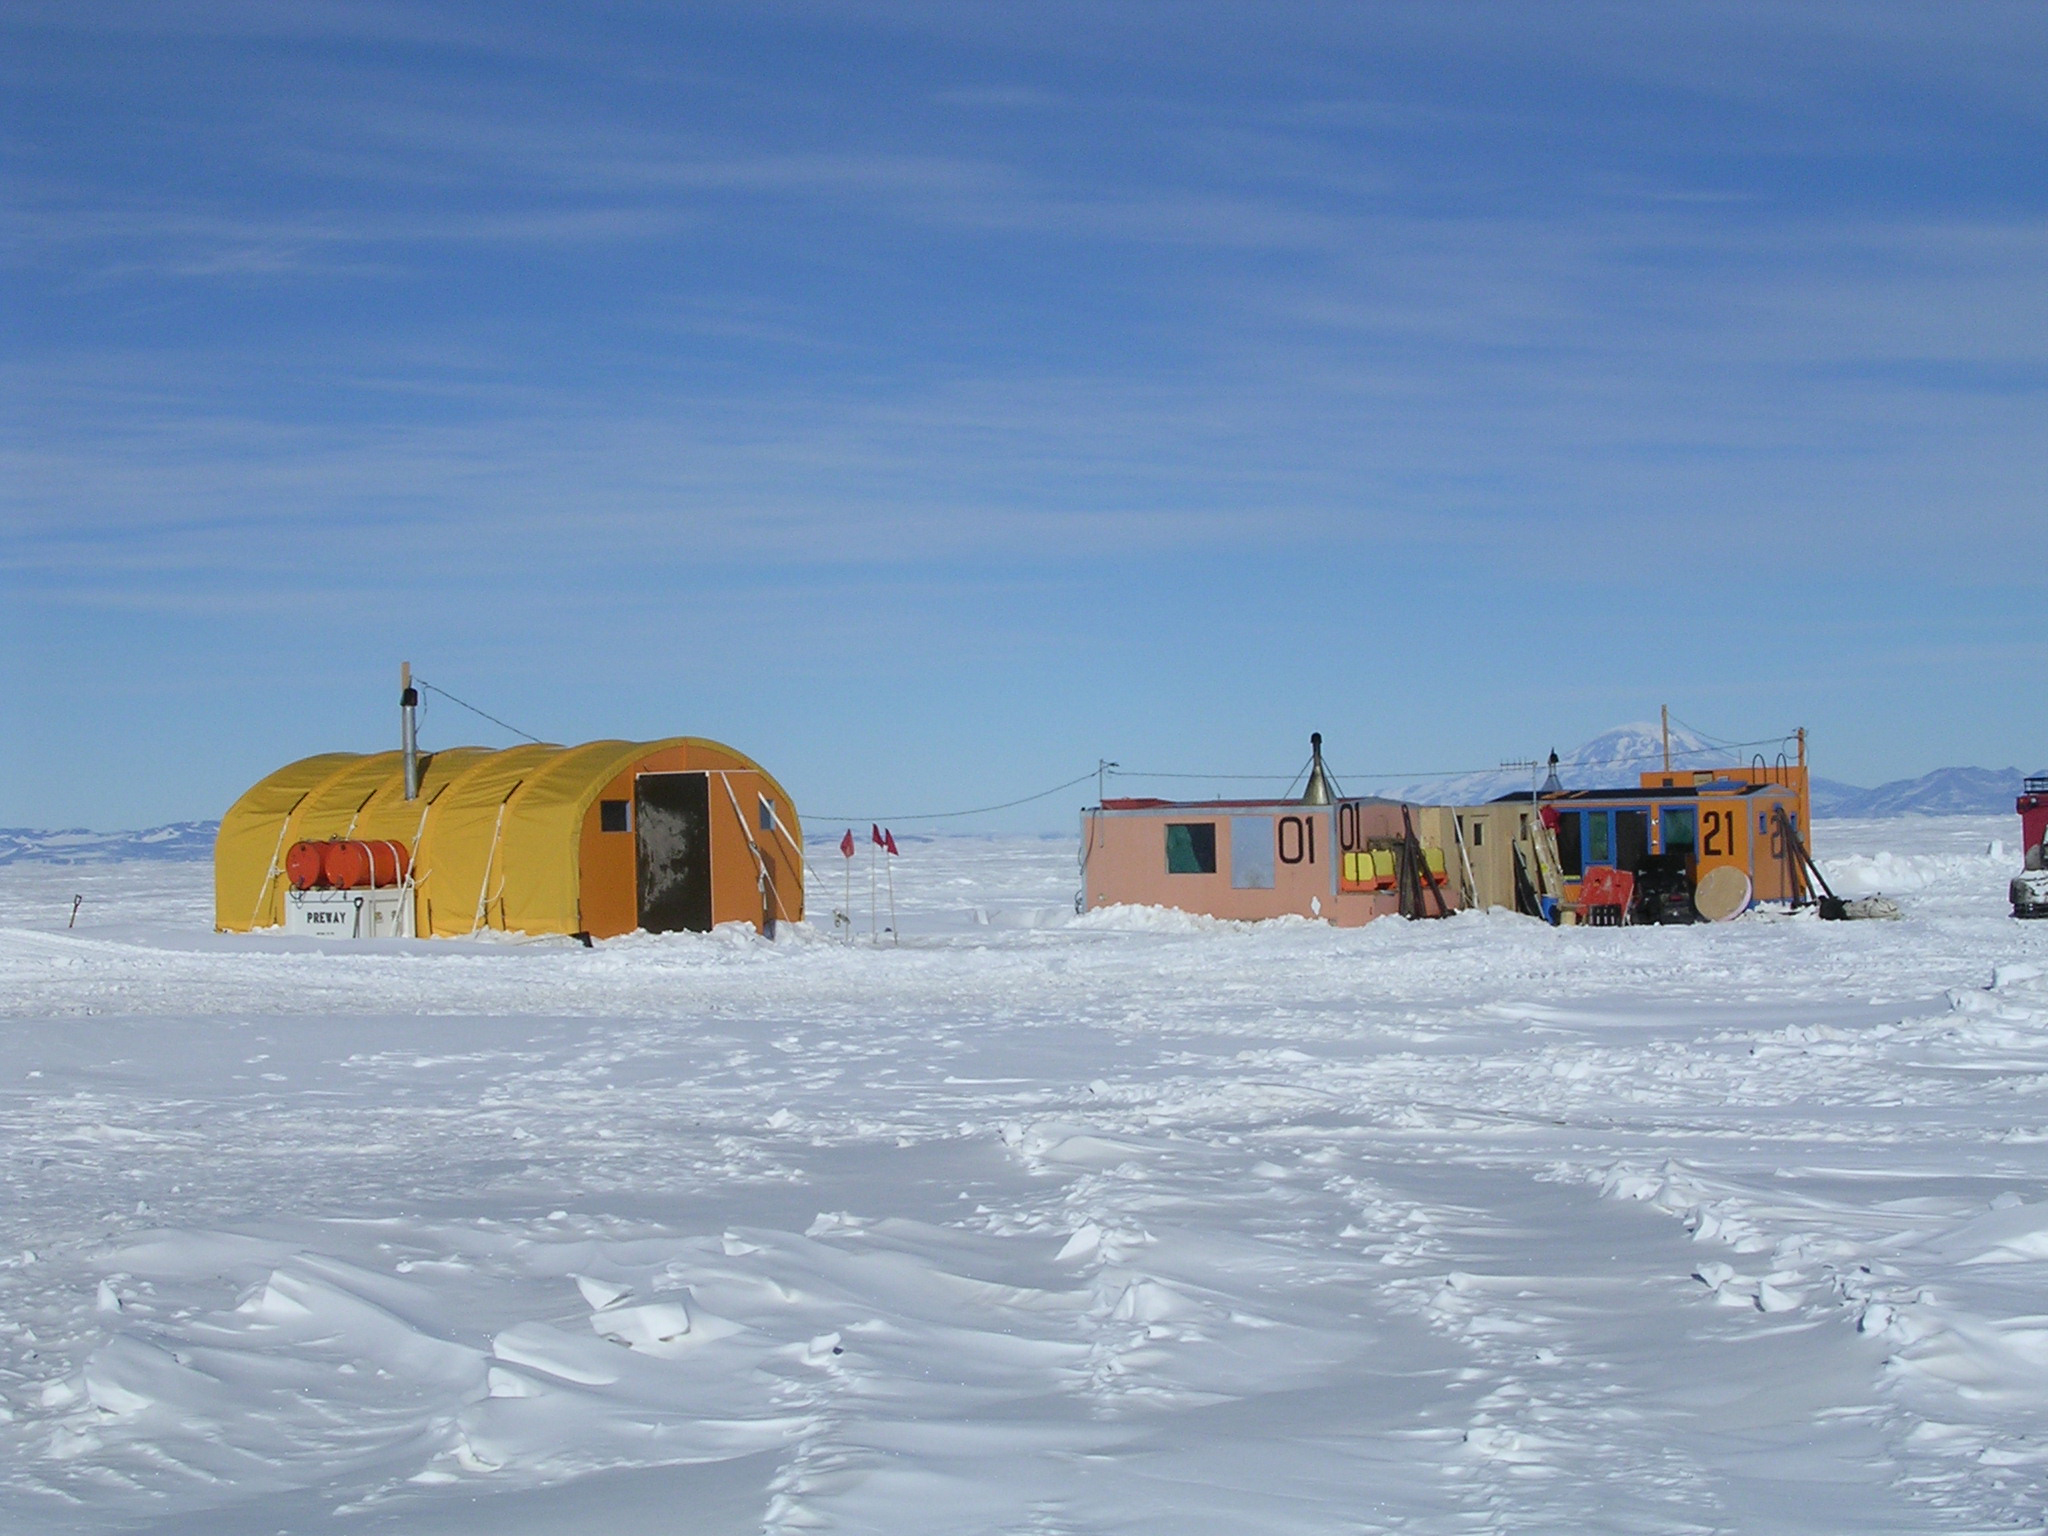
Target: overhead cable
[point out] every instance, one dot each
(422, 682)
(979, 810)
(1450, 773)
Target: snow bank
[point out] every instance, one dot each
(1948, 859)
(1901, 874)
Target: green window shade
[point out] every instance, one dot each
(1598, 848)
(1678, 830)
(1191, 848)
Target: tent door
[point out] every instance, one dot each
(672, 826)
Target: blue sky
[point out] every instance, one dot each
(931, 399)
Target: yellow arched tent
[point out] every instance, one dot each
(534, 839)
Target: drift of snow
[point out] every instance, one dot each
(1132, 1223)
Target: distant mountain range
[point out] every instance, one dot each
(1615, 759)
(180, 841)
(1944, 792)
(1611, 760)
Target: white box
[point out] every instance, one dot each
(378, 914)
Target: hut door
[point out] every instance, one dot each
(1631, 838)
(672, 823)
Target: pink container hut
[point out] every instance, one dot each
(1345, 861)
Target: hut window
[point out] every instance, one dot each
(1191, 847)
(1478, 834)
(613, 816)
(1251, 853)
(1678, 829)
(767, 815)
(1599, 846)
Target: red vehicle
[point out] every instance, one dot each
(2030, 886)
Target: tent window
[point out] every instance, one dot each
(614, 816)
(1191, 848)
(767, 815)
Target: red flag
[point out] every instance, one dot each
(888, 840)
(846, 844)
(875, 836)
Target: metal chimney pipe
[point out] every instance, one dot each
(408, 729)
(1318, 792)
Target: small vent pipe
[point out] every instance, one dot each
(408, 729)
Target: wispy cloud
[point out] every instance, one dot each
(111, 241)
(1001, 98)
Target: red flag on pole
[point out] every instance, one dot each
(889, 840)
(846, 844)
(875, 835)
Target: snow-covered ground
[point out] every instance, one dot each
(1130, 1223)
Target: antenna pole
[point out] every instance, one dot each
(1665, 710)
(1802, 746)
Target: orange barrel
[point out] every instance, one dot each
(305, 865)
(353, 864)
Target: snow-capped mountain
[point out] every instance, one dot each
(1614, 759)
(180, 840)
(1611, 760)
(1944, 792)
